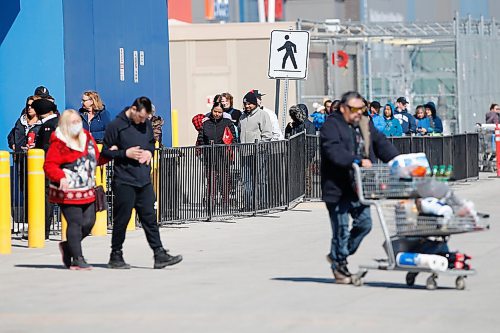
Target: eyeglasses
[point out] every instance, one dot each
(355, 109)
(30, 107)
(84, 100)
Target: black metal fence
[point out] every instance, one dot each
(224, 181)
(461, 151)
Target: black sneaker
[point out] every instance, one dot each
(116, 260)
(163, 259)
(79, 264)
(342, 268)
(65, 254)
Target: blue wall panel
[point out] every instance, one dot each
(31, 54)
(79, 50)
(73, 45)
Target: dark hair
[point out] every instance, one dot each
(327, 101)
(143, 103)
(217, 104)
(229, 97)
(492, 106)
(375, 105)
(217, 98)
(334, 107)
(346, 97)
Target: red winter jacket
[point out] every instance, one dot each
(78, 167)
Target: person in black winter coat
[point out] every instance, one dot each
(299, 123)
(46, 111)
(347, 138)
(129, 141)
(28, 122)
(213, 128)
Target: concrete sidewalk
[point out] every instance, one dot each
(263, 274)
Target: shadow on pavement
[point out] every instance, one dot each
(304, 279)
(390, 285)
(40, 266)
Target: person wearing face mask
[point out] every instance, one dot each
(343, 143)
(70, 166)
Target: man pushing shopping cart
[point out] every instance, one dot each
(348, 136)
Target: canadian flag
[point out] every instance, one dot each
(227, 138)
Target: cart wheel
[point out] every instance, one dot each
(431, 283)
(356, 280)
(410, 278)
(460, 283)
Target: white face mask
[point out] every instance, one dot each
(75, 129)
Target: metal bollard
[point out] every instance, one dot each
(131, 222)
(101, 218)
(64, 228)
(36, 202)
(175, 128)
(497, 145)
(5, 202)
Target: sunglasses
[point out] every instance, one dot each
(84, 100)
(355, 109)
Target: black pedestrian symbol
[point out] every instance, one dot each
(291, 48)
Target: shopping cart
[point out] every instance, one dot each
(487, 148)
(376, 186)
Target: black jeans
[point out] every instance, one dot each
(142, 199)
(81, 219)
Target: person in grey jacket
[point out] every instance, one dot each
(255, 126)
(254, 123)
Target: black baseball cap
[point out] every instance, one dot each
(402, 100)
(42, 91)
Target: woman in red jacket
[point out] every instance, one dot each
(70, 166)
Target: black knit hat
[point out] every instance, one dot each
(43, 106)
(250, 98)
(42, 92)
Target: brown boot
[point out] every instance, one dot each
(341, 278)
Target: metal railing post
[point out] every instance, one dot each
(255, 174)
(210, 168)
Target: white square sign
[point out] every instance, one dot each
(288, 54)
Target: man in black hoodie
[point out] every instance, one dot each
(130, 142)
(346, 139)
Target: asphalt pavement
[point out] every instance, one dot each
(260, 274)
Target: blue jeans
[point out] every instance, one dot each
(345, 242)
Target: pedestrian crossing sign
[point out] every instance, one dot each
(288, 54)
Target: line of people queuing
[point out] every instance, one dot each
(391, 119)
(255, 122)
(69, 140)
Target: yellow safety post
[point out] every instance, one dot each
(131, 222)
(36, 201)
(64, 228)
(5, 210)
(155, 171)
(175, 128)
(101, 218)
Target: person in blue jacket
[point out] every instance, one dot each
(348, 137)
(422, 121)
(436, 125)
(391, 126)
(94, 115)
(405, 118)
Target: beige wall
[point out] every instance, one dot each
(207, 59)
